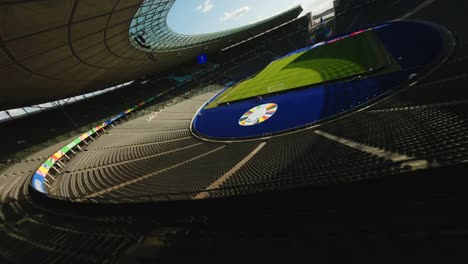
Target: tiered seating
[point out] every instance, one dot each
(351, 15)
(304, 159)
(123, 140)
(121, 173)
(206, 165)
(104, 157)
(132, 150)
(166, 125)
(58, 241)
(249, 66)
(239, 62)
(188, 106)
(444, 91)
(174, 116)
(52, 238)
(12, 180)
(428, 120)
(206, 96)
(136, 149)
(83, 113)
(436, 132)
(367, 202)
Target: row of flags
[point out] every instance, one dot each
(42, 172)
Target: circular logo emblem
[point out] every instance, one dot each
(258, 114)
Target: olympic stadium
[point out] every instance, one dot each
(303, 137)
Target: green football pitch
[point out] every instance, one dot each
(341, 59)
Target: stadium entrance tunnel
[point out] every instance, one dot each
(380, 61)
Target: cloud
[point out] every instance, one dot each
(235, 14)
(206, 7)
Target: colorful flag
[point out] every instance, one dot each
(42, 174)
(43, 171)
(58, 155)
(38, 183)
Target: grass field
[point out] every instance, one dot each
(341, 59)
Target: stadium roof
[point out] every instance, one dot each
(151, 22)
(53, 49)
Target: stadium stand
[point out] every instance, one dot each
(383, 184)
(351, 15)
(54, 123)
(243, 60)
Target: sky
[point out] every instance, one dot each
(205, 16)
